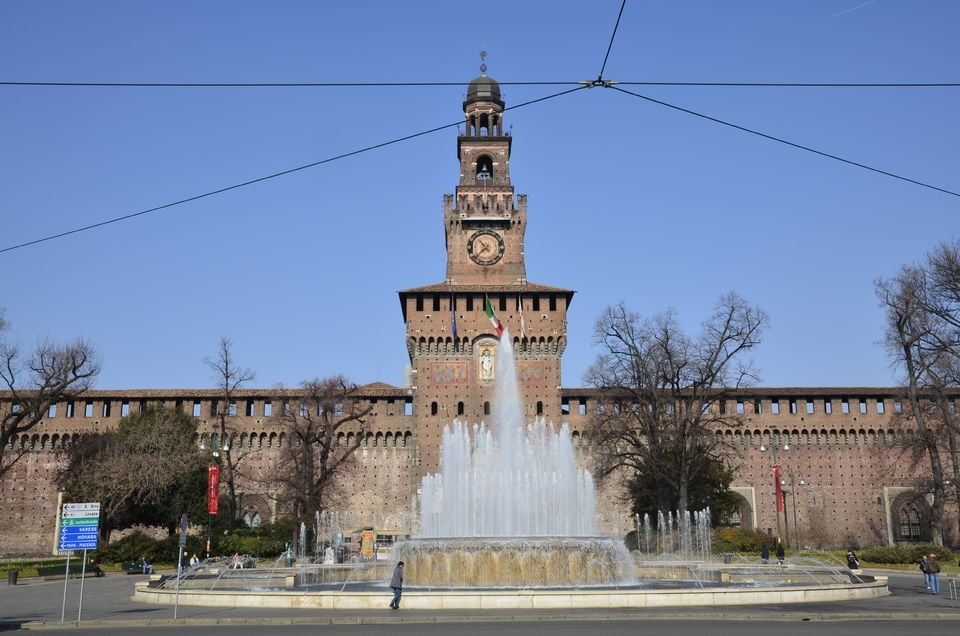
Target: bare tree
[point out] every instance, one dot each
(324, 428)
(922, 336)
(138, 472)
(229, 377)
(660, 389)
(50, 374)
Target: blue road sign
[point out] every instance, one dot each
(80, 526)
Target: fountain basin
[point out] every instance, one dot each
(513, 562)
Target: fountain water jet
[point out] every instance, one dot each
(510, 506)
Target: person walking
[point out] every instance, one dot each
(764, 554)
(934, 569)
(781, 555)
(396, 584)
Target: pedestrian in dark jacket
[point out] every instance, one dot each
(396, 584)
(934, 569)
(781, 555)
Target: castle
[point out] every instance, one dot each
(818, 466)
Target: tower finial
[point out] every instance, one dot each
(483, 66)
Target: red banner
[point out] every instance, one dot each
(213, 489)
(776, 479)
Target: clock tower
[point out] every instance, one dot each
(451, 336)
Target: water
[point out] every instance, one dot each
(510, 507)
(507, 478)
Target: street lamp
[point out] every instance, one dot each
(213, 488)
(793, 493)
(774, 448)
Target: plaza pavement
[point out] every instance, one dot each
(35, 604)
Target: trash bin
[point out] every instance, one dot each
(12, 576)
(727, 558)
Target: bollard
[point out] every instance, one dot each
(12, 576)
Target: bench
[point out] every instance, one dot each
(59, 571)
(131, 568)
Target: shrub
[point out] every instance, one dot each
(728, 539)
(905, 553)
(269, 540)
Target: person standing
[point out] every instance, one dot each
(764, 554)
(396, 584)
(934, 569)
(926, 572)
(781, 555)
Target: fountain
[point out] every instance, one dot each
(512, 515)
(510, 508)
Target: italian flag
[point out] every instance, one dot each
(488, 309)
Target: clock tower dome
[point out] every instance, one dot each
(483, 226)
(453, 327)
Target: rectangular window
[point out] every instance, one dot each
(827, 407)
(722, 404)
(408, 408)
(863, 405)
(897, 407)
(419, 303)
(268, 408)
(793, 407)
(600, 409)
(69, 409)
(52, 411)
(757, 407)
(88, 409)
(232, 409)
(809, 407)
(582, 408)
(739, 407)
(536, 303)
(250, 408)
(775, 407)
(565, 408)
(951, 406)
(124, 408)
(106, 409)
(469, 303)
(845, 406)
(503, 303)
(880, 407)
(304, 411)
(553, 303)
(436, 303)
(197, 409)
(338, 409)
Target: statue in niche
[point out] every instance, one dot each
(486, 364)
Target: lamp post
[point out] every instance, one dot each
(778, 495)
(213, 489)
(793, 493)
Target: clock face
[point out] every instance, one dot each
(485, 247)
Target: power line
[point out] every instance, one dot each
(788, 143)
(460, 83)
(275, 175)
(264, 84)
(612, 35)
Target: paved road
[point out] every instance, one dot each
(35, 604)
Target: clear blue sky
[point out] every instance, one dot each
(628, 200)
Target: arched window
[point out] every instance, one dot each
(909, 526)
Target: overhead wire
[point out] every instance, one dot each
(460, 83)
(786, 142)
(274, 175)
